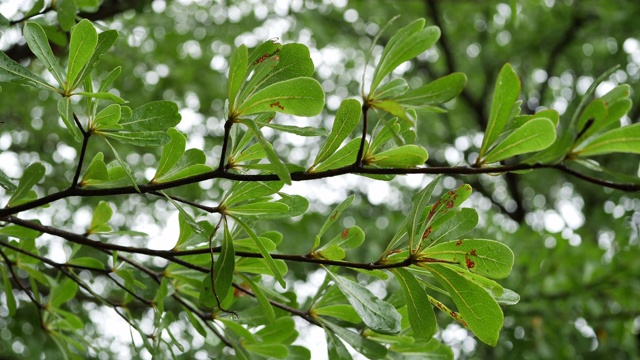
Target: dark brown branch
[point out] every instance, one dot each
(302, 176)
(358, 163)
(83, 151)
(594, 180)
(172, 255)
(225, 143)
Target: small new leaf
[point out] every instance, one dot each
(31, 176)
(347, 117)
(535, 135)
(101, 215)
(507, 90)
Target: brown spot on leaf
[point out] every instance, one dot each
(345, 233)
(470, 263)
(276, 104)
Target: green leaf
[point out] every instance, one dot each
(479, 310)
(335, 348)
(419, 202)
(421, 315)
(39, 45)
(452, 225)
(123, 166)
(262, 209)
(262, 70)
(19, 232)
(171, 153)
(31, 176)
(63, 292)
(346, 155)
(267, 309)
(187, 217)
(271, 351)
(392, 89)
(108, 118)
(154, 116)
(10, 299)
(407, 43)
(488, 258)
(66, 13)
(37, 6)
(106, 39)
(253, 152)
(191, 163)
(535, 135)
(6, 183)
(300, 96)
(439, 212)
(588, 95)
(339, 311)
(297, 204)
(89, 262)
(405, 156)
(259, 266)
(263, 52)
(224, 266)
(103, 96)
(425, 350)
(361, 344)
(335, 214)
(237, 73)
(621, 140)
(162, 292)
(278, 166)
(82, 45)
(97, 170)
(302, 131)
(436, 92)
(66, 112)
(505, 95)
(244, 191)
(11, 71)
(265, 254)
(348, 239)
(347, 117)
(392, 107)
(281, 331)
(138, 138)
(110, 78)
(294, 62)
(378, 315)
(101, 215)
(508, 297)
